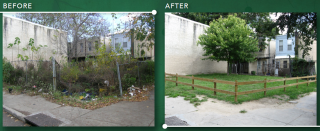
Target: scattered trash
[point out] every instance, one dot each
(94, 99)
(106, 82)
(34, 86)
(10, 90)
(81, 97)
(40, 90)
(131, 93)
(143, 88)
(115, 96)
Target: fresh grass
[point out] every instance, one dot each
(172, 90)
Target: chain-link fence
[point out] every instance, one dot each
(135, 73)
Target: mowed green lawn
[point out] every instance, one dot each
(172, 90)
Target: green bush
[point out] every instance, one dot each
(8, 72)
(127, 81)
(253, 72)
(300, 67)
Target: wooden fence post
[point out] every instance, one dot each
(265, 86)
(176, 79)
(308, 81)
(192, 83)
(236, 91)
(316, 80)
(215, 87)
(284, 83)
(297, 81)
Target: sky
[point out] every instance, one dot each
(121, 18)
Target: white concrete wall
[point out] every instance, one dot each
(182, 54)
(55, 40)
(312, 53)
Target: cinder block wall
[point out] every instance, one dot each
(182, 54)
(56, 40)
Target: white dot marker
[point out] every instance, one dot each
(154, 12)
(164, 126)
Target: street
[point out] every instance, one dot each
(10, 121)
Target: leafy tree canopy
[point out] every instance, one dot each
(261, 23)
(229, 39)
(302, 25)
(78, 25)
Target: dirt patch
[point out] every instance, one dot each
(219, 106)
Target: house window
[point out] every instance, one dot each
(116, 42)
(260, 47)
(284, 64)
(96, 44)
(277, 65)
(289, 44)
(124, 44)
(272, 61)
(90, 46)
(81, 47)
(280, 45)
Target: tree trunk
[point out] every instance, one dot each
(228, 68)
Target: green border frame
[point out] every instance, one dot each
(159, 5)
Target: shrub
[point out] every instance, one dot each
(8, 72)
(300, 67)
(127, 81)
(253, 72)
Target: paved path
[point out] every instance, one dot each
(302, 113)
(123, 113)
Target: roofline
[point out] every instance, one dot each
(32, 22)
(186, 19)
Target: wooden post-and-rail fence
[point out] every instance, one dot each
(236, 84)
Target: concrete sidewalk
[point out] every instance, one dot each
(302, 113)
(123, 113)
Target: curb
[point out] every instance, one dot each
(15, 113)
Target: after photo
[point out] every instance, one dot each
(240, 69)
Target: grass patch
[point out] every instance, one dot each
(243, 111)
(172, 90)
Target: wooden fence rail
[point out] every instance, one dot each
(236, 84)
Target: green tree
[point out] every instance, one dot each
(228, 39)
(261, 23)
(301, 25)
(78, 25)
(143, 28)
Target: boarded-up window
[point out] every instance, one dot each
(280, 45)
(81, 47)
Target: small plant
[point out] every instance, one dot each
(56, 94)
(253, 72)
(243, 111)
(128, 81)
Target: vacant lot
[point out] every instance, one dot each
(186, 91)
